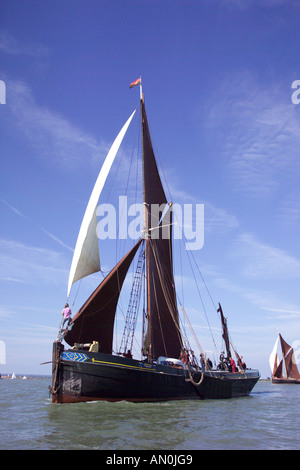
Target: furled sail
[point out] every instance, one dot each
(86, 258)
(95, 320)
(225, 334)
(163, 336)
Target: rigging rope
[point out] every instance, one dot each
(134, 303)
(191, 328)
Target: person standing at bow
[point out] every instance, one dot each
(66, 313)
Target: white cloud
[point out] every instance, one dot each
(20, 214)
(217, 219)
(284, 313)
(259, 260)
(10, 45)
(288, 213)
(270, 302)
(51, 133)
(258, 132)
(245, 4)
(262, 299)
(31, 265)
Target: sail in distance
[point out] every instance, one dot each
(286, 371)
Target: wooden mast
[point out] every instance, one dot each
(146, 235)
(163, 334)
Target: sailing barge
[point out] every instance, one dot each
(286, 371)
(89, 369)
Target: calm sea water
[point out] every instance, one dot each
(268, 419)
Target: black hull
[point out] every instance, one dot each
(84, 376)
(285, 381)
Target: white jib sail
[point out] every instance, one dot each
(86, 258)
(273, 356)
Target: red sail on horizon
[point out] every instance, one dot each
(285, 347)
(278, 371)
(287, 369)
(292, 371)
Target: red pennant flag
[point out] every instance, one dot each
(137, 82)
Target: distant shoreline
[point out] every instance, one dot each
(29, 376)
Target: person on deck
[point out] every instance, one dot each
(242, 363)
(209, 364)
(202, 362)
(184, 357)
(66, 313)
(232, 365)
(193, 360)
(128, 354)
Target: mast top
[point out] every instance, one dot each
(135, 83)
(141, 90)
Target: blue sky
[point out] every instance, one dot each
(217, 78)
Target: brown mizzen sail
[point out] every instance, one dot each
(95, 320)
